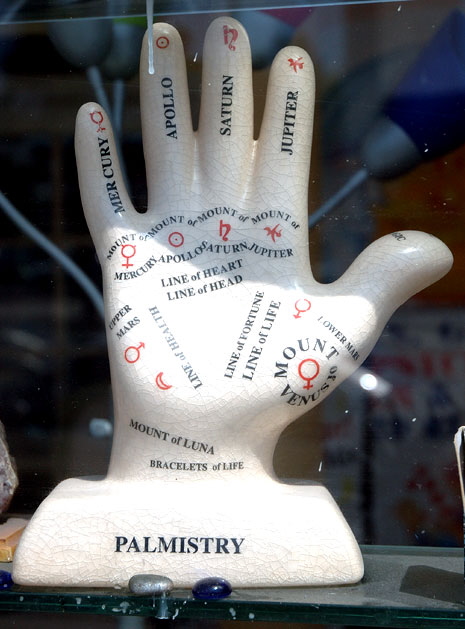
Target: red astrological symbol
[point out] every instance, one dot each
(162, 42)
(296, 64)
(299, 311)
(225, 228)
(315, 367)
(127, 264)
(161, 384)
(97, 118)
(230, 36)
(274, 233)
(132, 353)
(176, 239)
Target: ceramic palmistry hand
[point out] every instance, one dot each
(218, 335)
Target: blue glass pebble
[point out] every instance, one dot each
(5, 580)
(211, 588)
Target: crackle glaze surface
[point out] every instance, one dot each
(218, 336)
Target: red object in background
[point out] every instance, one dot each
(293, 17)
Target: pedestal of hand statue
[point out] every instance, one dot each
(218, 336)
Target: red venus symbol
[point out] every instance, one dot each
(296, 64)
(299, 311)
(313, 366)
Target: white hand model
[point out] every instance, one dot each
(218, 335)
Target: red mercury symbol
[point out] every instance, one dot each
(162, 42)
(132, 353)
(296, 64)
(301, 310)
(176, 239)
(128, 255)
(97, 118)
(314, 366)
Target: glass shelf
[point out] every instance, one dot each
(43, 11)
(403, 587)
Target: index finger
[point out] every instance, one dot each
(284, 145)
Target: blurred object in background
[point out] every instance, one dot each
(270, 30)
(8, 478)
(424, 116)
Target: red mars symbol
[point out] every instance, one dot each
(162, 42)
(132, 353)
(160, 384)
(176, 239)
(314, 367)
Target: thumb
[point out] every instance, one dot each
(394, 268)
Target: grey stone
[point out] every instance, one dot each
(154, 584)
(8, 477)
